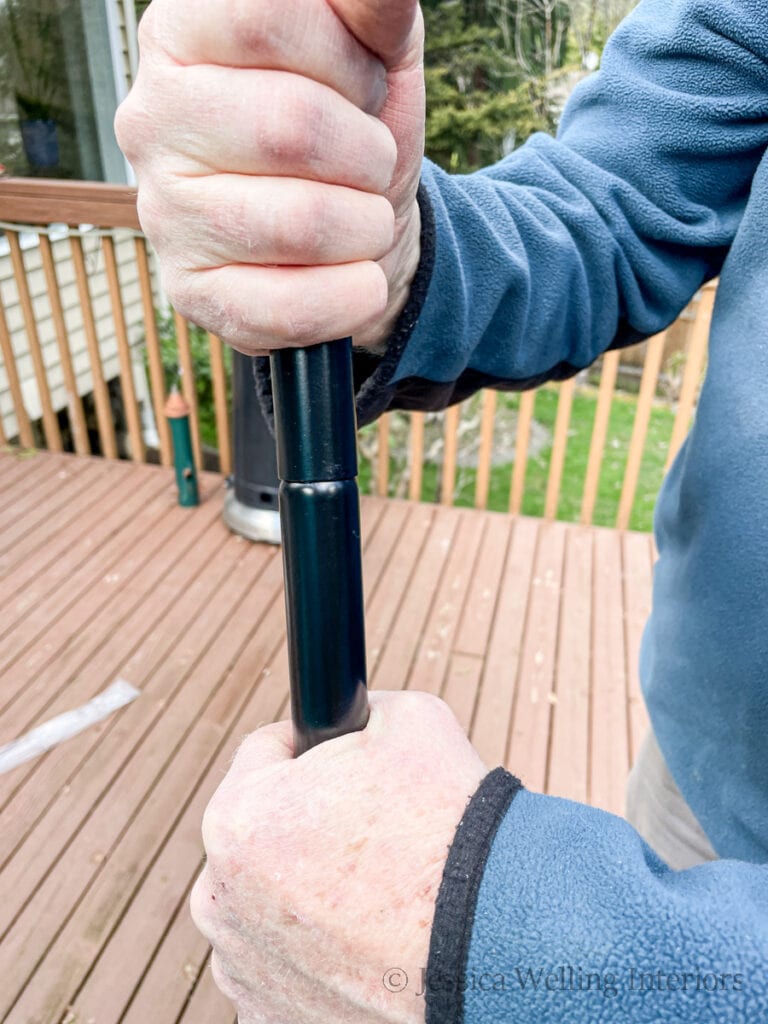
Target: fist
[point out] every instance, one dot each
(277, 146)
(322, 871)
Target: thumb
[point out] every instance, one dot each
(388, 28)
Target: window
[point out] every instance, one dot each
(59, 89)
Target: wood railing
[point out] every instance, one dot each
(110, 211)
(691, 357)
(90, 352)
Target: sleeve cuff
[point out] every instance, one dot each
(457, 898)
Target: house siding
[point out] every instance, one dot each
(73, 314)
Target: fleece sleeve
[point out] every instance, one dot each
(551, 911)
(570, 246)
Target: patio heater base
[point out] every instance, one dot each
(258, 524)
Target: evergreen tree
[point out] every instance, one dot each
(480, 101)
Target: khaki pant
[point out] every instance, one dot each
(658, 811)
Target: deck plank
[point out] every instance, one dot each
(111, 985)
(461, 686)
(474, 630)
(88, 765)
(41, 550)
(609, 747)
(531, 717)
(637, 577)
(393, 666)
(24, 477)
(384, 604)
(89, 621)
(31, 614)
(568, 767)
(529, 630)
(53, 492)
(434, 651)
(207, 1005)
(498, 687)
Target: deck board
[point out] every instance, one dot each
(567, 768)
(437, 638)
(529, 630)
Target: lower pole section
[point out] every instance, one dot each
(324, 607)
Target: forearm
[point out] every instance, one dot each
(575, 916)
(598, 238)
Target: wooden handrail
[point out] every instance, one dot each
(50, 201)
(29, 203)
(38, 202)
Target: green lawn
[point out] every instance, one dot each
(580, 433)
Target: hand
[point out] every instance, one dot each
(322, 871)
(277, 146)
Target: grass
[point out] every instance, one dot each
(580, 434)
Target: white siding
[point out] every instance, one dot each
(74, 319)
(125, 17)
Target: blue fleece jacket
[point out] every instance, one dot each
(657, 181)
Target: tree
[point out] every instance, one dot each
(592, 22)
(494, 69)
(479, 99)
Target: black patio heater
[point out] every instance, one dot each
(320, 524)
(250, 506)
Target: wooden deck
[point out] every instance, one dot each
(529, 629)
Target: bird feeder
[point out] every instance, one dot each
(177, 414)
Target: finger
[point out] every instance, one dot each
(304, 36)
(266, 308)
(228, 816)
(404, 711)
(226, 983)
(259, 123)
(228, 218)
(266, 747)
(201, 899)
(387, 29)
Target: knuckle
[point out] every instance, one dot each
(231, 320)
(180, 287)
(377, 153)
(281, 142)
(150, 212)
(224, 982)
(215, 830)
(299, 324)
(148, 29)
(301, 228)
(131, 127)
(223, 216)
(200, 904)
(383, 215)
(429, 705)
(389, 153)
(250, 27)
(246, 751)
(291, 130)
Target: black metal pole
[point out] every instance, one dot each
(320, 522)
